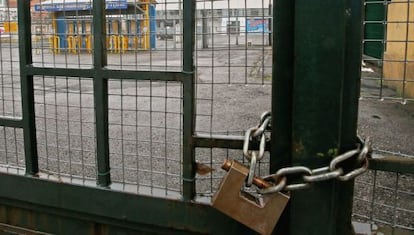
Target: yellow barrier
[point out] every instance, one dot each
(114, 43)
(136, 42)
(88, 44)
(70, 43)
(55, 44)
(74, 44)
(124, 43)
(10, 27)
(145, 39)
(77, 41)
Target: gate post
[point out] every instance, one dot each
(317, 57)
(27, 91)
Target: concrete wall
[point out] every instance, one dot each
(398, 64)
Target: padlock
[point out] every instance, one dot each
(258, 212)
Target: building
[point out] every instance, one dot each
(220, 16)
(398, 65)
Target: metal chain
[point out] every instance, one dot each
(308, 176)
(254, 156)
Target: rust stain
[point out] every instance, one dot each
(297, 147)
(203, 169)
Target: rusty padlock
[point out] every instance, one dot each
(260, 213)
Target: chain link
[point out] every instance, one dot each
(252, 170)
(333, 171)
(254, 156)
(306, 175)
(257, 132)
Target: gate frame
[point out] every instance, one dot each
(298, 133)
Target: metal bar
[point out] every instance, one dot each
(282, 83)
(386, 162)
(11, 122)
(225, 141)
(26, 81)
(380, 161)
(319, 49)
(188, 101)
(85, 73)
(108, 73)
(69, 201)
(101, 95)
(143, 75)
(350, 100)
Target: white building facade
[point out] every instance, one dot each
(220, 16)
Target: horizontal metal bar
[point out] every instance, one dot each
(70, 201)
(143, 75)
(381, 161)
(392, 163)
(225, 141)
(108, 73)
(64, 72)
(11, 122)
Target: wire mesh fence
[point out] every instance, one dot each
(65, 125)
(11, 148)
(145, 129)
(233, 62)
(10, 101)
(384, 200)
(388, 50)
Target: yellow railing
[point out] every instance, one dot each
(55, 44)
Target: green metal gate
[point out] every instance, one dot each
(114, 141)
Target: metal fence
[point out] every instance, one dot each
(233, 61)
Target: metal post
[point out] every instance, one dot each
(204, 26)
(270, 23)
(188, 101)
(282, 93)
(29, 122)
(350, 101)
(101, 94)
(317, 55)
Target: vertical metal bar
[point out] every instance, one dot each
(270, 23)
(29, 122)
(101, 94)
(282, 82)
(319, 49)
(188, 101)
(350, 101)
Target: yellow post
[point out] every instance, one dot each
(77, 41)
(52, 43)
(114, 43)
(124, 43)
(145, 27)
(56, 41)
(70, 43)
(136, 42)
(118, 44)
(88, 43)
